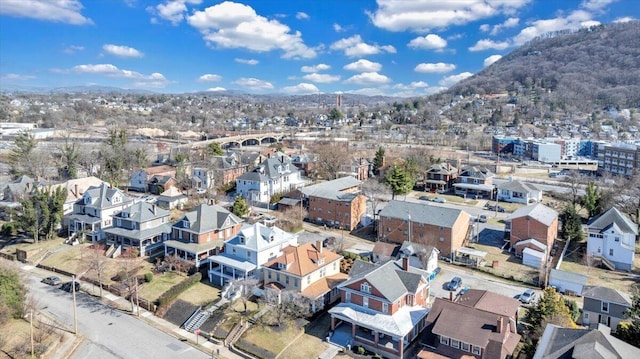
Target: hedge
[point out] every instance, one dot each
(173, 293)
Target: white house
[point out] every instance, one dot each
(421, 256)
(274, 175)
(244, 254)
(612, 239)
(202, 178)
(515, 191)
(140, 178)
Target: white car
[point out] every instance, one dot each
(439, 200)
(528, 296)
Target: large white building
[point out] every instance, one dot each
(612, 239)
(273, 175)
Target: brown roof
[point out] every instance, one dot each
(158, 169)
(324, 285)
(490, 302)
(385, 249)
(302, 260)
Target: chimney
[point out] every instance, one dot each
(75, 188)
(153, 208)
(319, 245)
(499, 325)
(405, 263)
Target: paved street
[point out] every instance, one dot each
(108, 333)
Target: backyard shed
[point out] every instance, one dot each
(533, 258)
(567, 282)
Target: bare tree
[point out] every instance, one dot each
(376, 192)
(245, 286)
(288, 305)
(96, 260)
(331, 156)
(129, 266)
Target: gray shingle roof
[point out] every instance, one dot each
(329, 189)
(557, 342)
(606, 294)
(143, 212)
(388, 278)
(102, 196)
(539, 212)
(422, 213)
(206, 218)
(517, 186)
(613, 216)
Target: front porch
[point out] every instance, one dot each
(225, 268)
(192, 252)
(85, 226)
(144, 242)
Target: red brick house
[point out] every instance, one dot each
(440, 177)
(383, 308)
(537, 222)
(336, 203)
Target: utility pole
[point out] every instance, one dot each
(31, 331)
(409, 217)
(75, 311)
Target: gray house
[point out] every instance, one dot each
(605, 306)
(558, 342)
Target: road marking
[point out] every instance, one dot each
(111, 296)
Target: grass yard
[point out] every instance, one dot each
(509, 267)
(160, 284)
(269, 340)
(68, 259)
(621, 281)
(200, 294)
(232, 316)
(312, 343)
(13, 335)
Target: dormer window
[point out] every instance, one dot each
(185, 223)
(241, 239)
(87, 200)
(365, 287)
(271, 238)
(320, 261)
(282, 266)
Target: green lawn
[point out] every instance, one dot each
(160, 284)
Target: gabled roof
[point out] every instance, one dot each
(606, 294)
(206, 218)
(442, 168)
(534, 242)
(258, 237)
(143, 212)
(517, 186)
(388, 278)
(171, 193)
(489, 302)
(336, 185)
(304, 259)
(612, 216)
(78, 184)
(538, 211)
(476, 172)
(422, 213)
(557, 342)
(385, 249)
(102, 196)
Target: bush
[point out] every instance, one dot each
(9, 229)
(148, 277)
(173, 293)
(360, 350)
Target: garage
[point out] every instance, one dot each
(567, 282)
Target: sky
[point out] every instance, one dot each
(372, 47)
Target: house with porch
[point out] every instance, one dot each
(474, 182)
(357, 168)
(246, 253)
(536, 221)
(227, 168)
(171, 198)
(275, 174)
(383, 308)
(611, 240)
(446, 229)
(143, 226)
(201, 233)
(478, 324)
(337, 203)
(141, 177)
(94, 212)
(604, 305)
(440, 177)
(308, 269)
(516, 191)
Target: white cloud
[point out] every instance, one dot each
(574, 20)
(315, 68)
(487, 44)
(368, 78)
(439, 67)
(419, 88)
(122, 51)
(209, 78)
(354, 47)
(321, 78)
(72, 49)
(216, 89)
(510, 22)
(234, 25)
(491, 59)
(338, 28)
(596, 5)
(254, 84)
(367, 91)
(363, 65)
(155, 80)
(301, 88)
(302, 16)
(429, 42)
(172, 10)
(423, 15)
(624, 19)
(485, 27)
(65, 11)
(251, 62)
(453, 79)
(17, 77)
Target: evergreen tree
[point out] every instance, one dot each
(551, 305)
(214, 149)
(399, 181)
(240, 207)
(378, 160)
(22, 157)
(571, 223)
(591, 200)
(629, 330)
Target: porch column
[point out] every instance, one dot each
(333, 323)
(221, 271)
(375, 338)
(401, 346)
(353, 329)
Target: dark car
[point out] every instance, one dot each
(53, 280)
(67, 287)
(482, 218)
(424, 198)
(328, 241)
(454, 283)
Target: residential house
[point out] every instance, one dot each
(171, 198)
(612, 240)
(444, 228)
(535, 221)
(142, 226)
(95, 210)
(228, 168)
(604, 305)
(305, 162)
(202, 179)
(159, 184)
(475, 182)
(440, 177)
(246, 253)
(272, 176)
(337, 203)
(141, 177)
(357, 168)
(384, 251)
(516, 191)
(75, 188)
(421, 256)
(308, 269)
(201, 233)
(17, 190)
(383, 308)
(557, 342)
(479, 324)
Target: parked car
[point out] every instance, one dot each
(482, 218)
(328, 241)
(424, 198)
(528, 296)
(439, 200)
(53, 280)
(454, 283)
(67, 286)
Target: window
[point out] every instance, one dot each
(347, 297)
(295, 282)
(365, 287)
(617, 239)
(444, 340)
(605, 307)
(465, 346)
(610, 251)
(475, 350)
(385, 307)
(455, 343)
(409, 300)
(269, 275)
(365, 302)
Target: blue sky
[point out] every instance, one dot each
(372, 47)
